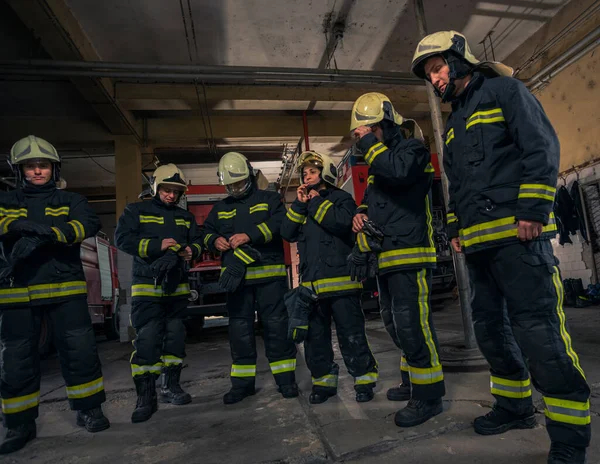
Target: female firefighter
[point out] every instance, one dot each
(320, 220)
(41, 229)
(160, 236)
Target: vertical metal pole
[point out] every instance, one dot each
(460, 266)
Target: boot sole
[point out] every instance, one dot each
(166, 399)
(327, 396)
(365, 399)
(99, 428)
(241, 399)
(144, 419)
(527, 423)
(398, 398)
(418, 421)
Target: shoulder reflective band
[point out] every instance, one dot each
(207, 238)
(545, 192)
(79, 230)
(243, 370)
(143, 247)
(334, 284)
(4, 222)
(279, 367)
(264, 229)
(157, 292)
(406, 256)
(449, 136)
(182, 222)
(226, 214)
(85, 390)
(568, 412)
(43, 291)
(243, 256)
(451, 217)
(361, 241)
(374, 152)
(62, 211)
(369, 377)
(259, 207)
(152, 219)
(59, 235)
(510, 388)
(485, 117)
(371, 179)
(13, 213)
(14, 295)
(20, 403)
(322, 210)
(294, 216)
(328, 380)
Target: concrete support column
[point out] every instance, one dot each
(128, 169)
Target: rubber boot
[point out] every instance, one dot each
(171, 391)
(17, 437)
(147, 403)
(235, 395)
(418, 411)
(364, 393)
(93, 420)
(499, 421)
(320, 395)
(289, 390)
(561, 453)
(402, 391)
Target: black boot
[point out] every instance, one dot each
(320, 395)
(561, 453)
(93, 420)
(147, 403)
(235, 395)
(289, 390)
(399, 393)
(170, 390)
(418, 411)
(17, 437)
(364, 393)
(499, 421)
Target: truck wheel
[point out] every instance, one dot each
(112, 327)
(194, 326)
(46, 343)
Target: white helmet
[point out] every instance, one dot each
(169, 174)
(233, 169)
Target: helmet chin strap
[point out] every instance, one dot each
(459, 69)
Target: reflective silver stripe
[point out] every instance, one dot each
(334, 284)
(326, 381)
(57, 290)
(135, 369)
(371, 377)
(86, 389)
(265, 271)
(150, 290)
(407, 256)
(283, 366)
(20, 403)
(568, 411)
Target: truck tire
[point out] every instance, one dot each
(46, 341)
(112, 326)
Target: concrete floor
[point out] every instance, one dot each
(269, 429)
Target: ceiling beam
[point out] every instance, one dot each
(63, 38)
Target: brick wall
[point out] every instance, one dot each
(571, 257)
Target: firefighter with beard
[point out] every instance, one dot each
(320, 220)
(41, 230)
(245, 228)
(397, 201)
(502, 157)
(161, 237)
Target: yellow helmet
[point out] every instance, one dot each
(323, 162)
(371, 108)
(445, 42)
(169, 174)
(33, 148)
(233, 168)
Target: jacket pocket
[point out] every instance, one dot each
(504, 197)
(539, 259)
(474, 148)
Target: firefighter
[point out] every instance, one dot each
(502, 157)
(397, 200)
(320, 220)
(161, 237)
(41, 230)
(251, 218)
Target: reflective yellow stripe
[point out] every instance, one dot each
(425, 376)
(510, 388)
(322, 210)
(403, 364)
(175, 248)
(424, 312)
(169, 360)
(259, 207)
(328, 380)
(183, 222)
(370, 377)
(4, 222)
(279, 367)
(79, 230)
(363, 207)
(143, 247)
(429, 168)
(14, 295)
(294, 216)
(13, 213)
(197, 247)
(564, 333)
(569, 412)
(207, 238)
(371, 179)
(485, 117)
(449, 136)
(85, 390)
(262, 272)
(264, 229)
(20, 403)
(59, 235)
(361, 241)
(544, 192)
(406, 256)
(334, 284)
(136, 369)
(151, 219)
(243, 256)
(374, 152)
(226, 214)
(243, 370)
(429, 222)
(150, 290)
(43, 291)
(62, 211)
(451, 217)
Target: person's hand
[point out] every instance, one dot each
(166, 243)
(528, 230)
(186, 254)
(222, 244)
(238, 240)
(361, 131)
(357, 222)
(313, 194)
(301, 193)
(456, 244)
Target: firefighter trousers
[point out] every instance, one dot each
(267, 300)
(405, 310)
(160, 334)
(350, 327)
(76, 344)
(517, 302)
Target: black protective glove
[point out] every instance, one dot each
(30, 228)
(161, 266)
(235, 270)
(367, 243)
(358, 264)
(300, 302)
(24, 248)
(372, 265)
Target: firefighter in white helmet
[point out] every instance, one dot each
(501, 156)
(41, 275)
(160, 236)
(320, 221)
(244, 227)
(398, 203)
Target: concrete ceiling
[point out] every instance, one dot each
(178, 121)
